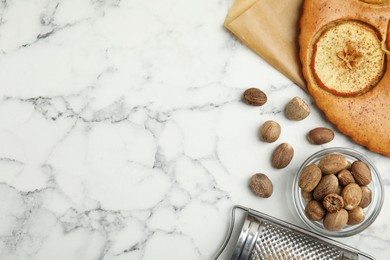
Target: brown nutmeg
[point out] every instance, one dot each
(361, 173)
(352, 195)
(366, 197)
(339, 190)
(336, 220)
(345, 177)
(307, 196)
(320, 135)
(282, 156)
(314, 210)
(328, 184)
(333, 202)
(333, 163)
(309, 178)
(297, 109)
(261, 185)
(356, 216)
(255, 97)
(270, 131)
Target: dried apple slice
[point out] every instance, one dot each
(347, 59)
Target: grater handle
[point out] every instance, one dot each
(230, 230)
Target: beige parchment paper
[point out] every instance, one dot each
(270, 28)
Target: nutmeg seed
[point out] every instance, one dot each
(297, 109)
(255, 97)
(356, 216)
(336, 220)
(352, 195)
(366, 197)
(320, 135)
(314, 210)
(361, 173)
(328, 184)
(333, 163)
(261, 185)
(307, 196)
(309, 178)
(282, 156)
(270, 131)
(339, 190)
(333, 202)
(345, 177)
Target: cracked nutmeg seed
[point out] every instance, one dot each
(255, 97)
(297, 109)
(333, 202)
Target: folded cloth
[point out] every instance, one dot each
(270, 28)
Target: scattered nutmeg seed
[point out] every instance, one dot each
(261, 185)
(270, 131)
(320, 135)
(255, 97)
(282, 156)
(297, 109)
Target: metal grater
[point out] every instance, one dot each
(263, 237)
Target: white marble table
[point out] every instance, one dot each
(123, 134)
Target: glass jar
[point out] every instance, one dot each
(371, 212)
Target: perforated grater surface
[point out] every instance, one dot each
(263, 237)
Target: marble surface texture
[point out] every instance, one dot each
(123, 134)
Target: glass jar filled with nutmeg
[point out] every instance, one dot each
(337, 192)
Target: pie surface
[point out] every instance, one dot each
(344, 57)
